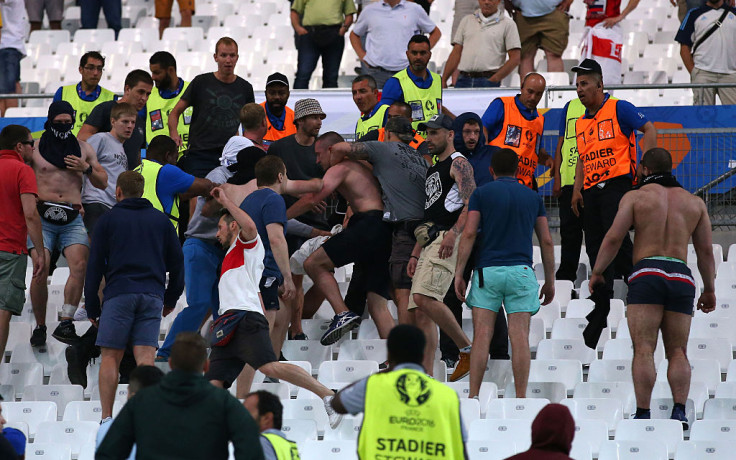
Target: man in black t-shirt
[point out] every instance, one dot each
(138, 86)
(216, 98)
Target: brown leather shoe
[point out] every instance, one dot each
(462, 368)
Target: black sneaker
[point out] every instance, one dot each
(300, 336)
(76, 365)
(450, 362)
(66, 333)
(341, 324)
(38, 338)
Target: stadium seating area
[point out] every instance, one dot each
(60, 419)
(265, 36)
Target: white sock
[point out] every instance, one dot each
(68, 310)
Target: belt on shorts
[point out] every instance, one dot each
(486, 74)
(58, 213)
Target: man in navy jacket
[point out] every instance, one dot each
(134, 247)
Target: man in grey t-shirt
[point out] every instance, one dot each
(112, 157)
(401, 171)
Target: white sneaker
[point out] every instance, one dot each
(334, 417)
(80, 314)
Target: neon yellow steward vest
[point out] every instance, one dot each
(410, 415)
(285, 449)
(424, 102)
(83, 108)
(569, 150)
(373, 122)
(157, 117)
(150, 170)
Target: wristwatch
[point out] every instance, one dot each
(88, 171)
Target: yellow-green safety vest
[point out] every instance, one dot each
(410, 415)
(424, 103)
(157, 117)
(83, 108)
(373, 122)
(285, 449)
(150, 170)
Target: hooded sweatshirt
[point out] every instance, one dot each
(480, 156)
(184, 417)
(134, 245)
(552, 432)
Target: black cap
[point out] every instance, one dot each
(399, 125)
(588, 66)
(277, 78)
(436, 122)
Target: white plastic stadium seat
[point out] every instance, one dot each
(191, 35)
(280, 389)
(307, 409)
(501, 431)
(579, 308)
(667, 431)
(488, 391)
(610, 370)
(373, 350)
(349, 429)
(566, 371)
(641, 449)
(720, 408)
(94, 35)
(623, 348)
(21, 375)
(591, 432)
(337, 374)
(607, 409)
(515, 408)
(621, 391)
(661, 408)
(20, 333)
(710, 450)
(90, 411)
(469, 411)
(300, 430)
(713, 430)
(486, 450)
(552, 391)
(48, 451)
(329, 450)
(307, 350)
(709, 327)
(75, 434)
(726, 390)
(49, 355)
(716, 348)
(704, 370)
(572, 328)
(566, 349)
(121, 394)
(49, 37)
(549, 313)
(60, 394)
(146, 37)
(698, 394)
(30, 412)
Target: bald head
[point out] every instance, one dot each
(532, 90)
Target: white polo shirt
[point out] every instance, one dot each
(15, 25)
(485, 42)
(717, 52)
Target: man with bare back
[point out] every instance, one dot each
(366, 241)
(60, 160)
(661, 286)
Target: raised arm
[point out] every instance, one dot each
(541, 228)
(248, 230)
(649, 141)
(355, 151)
(200, 187)
(467, 240)
(462, 171)
(612, 241)
(703, 243)
(300, 187)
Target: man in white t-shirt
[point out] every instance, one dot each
(241, 306)
(12, 49)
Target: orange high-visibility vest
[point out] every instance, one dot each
(521, 136)
(274, 134)
(604, 150)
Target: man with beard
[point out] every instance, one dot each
(137, 88)
(164, 97)
(60, 162)
(279, 117)
(416, 85)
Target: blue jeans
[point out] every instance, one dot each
(329, 46)
(10, 73)
(91, 12)
(480, 82)
(201, 261)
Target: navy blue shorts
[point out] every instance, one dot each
(130, 318)
(662, 282)
(269, 287)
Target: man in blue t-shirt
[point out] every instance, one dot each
(508, 212)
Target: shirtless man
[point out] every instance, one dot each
(661, 287)
(366, 241)
(60, 160)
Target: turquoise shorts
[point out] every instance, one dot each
(515, 287)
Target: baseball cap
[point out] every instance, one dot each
(399, 125)
(305, 107)
(588, 66)
(277, 78)
(436, 122)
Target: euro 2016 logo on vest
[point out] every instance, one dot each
(413, 389)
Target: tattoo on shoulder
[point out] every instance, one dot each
(358, 151)
(464, 177)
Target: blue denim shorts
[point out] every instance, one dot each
(62, 236)
(515, 287)
(133, 319)
(10, 73)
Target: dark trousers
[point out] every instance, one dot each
(571, 234)
(499, 342)
(601, 206)
(91, 13)
(321, 41)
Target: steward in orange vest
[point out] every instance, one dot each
(279, 117)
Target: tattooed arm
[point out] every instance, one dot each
(462, 172)
(341, 150)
